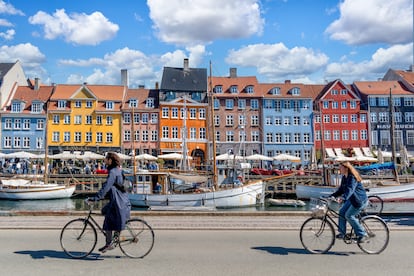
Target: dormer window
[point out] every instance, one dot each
(150, 103)
(233, 89)
(344, 92)
(275, 91)
(250, 89)
(218, 89)
(133, 103)
(37, 107)
(109, 105)
(169, 96)
(61, 104)
(295, 91)
(16, 107)
(196, 96)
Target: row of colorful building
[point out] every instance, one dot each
(215, 114)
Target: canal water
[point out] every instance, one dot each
(78, 204)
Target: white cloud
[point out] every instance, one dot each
(195, 55)
(5, 23)
(195, 22)
(381, 61)
(9, 9)
(277, 61)
(8, 35)
(30, 56)
(78, 28)
(373, 21)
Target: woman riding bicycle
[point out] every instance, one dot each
(117, 211)
(354, 198)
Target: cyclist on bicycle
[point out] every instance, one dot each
(354, 198)
(117, 210)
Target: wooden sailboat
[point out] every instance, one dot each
(206, 192)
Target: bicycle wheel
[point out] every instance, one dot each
(378, 233)
(137, 240)
(317, 235)
(78, 238)
(375, 205)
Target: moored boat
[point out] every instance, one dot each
(22, 189)
(286, 202)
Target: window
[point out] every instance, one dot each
(408, 101)
(345, 135)
(39, 143)
(335, 118)
(55, 136)
(409, 117)
(216, 104)
(295, 91)
(278, 121)
(136, 118)
(234, 89)
(326, 118)
(229, 120)
(382, 101)
(336, 135)
(255, 136)
(154, 118)
(254, 120)
(174, 133)
(250, 89)
(154, 135)
(334, 105)
(286, 121)
(353, 104)
(241, 103)
(229, 103)
(108, 120)
(17, 124)
(66, 119)
(174, 112)
(40, 124)
(296, 120)
(203, 133)
(61, 104)
(150, 103)
(383, 117)
(344, 118)
(286, 104)
(242, 120)
(218, 89)
(99, 119)
(344, 105)
(136, 135)
(26, 124)
(165, 132)
(354, 135)
(77, 137)
(88, 137)
(269, 137)
(344, 91)
(334, 92)
(268, 120)
(37, 108)
(372, 101)
(278, 106)
(373, 116)
(193, 133)
(325, 104)
(133, 103)
(278, 138)
(66, 136)
(354, 118)
(99, 137)
(193, 113)
(287, 138)
(275, 91)
(363, 118)
(78, 119)
(306, 138)
(127, 135)
(26, 142)
(109, 137)
(16, 107)
(127, 118)
(7, 142)
(229, 136)
(327, 135)
(16, 142)
(216, 120)
(202, 113)
(165, 112)
(268, 104)
(88, 119)
(396, 101)
(89, 104)
(296, 138)
(254, 104)
(109, 105)
(145, 118)
(364, 134)
(78, 104)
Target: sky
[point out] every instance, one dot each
(305, 41)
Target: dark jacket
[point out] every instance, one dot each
(118, 209)
(352, 190)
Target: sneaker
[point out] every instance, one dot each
(106, 248)
(362, 239)
(340, 236)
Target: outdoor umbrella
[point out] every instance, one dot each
(145, 156)
(286, 157)
(259, 157)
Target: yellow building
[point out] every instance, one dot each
(85, 117)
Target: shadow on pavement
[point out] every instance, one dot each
(42, 254)
(286, 251)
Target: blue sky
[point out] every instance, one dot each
(308, 41)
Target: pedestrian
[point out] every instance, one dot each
(354, 198)
(117, 210)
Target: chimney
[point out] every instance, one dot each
(141, 86)
(287, 81)
(233, 72)
(157, 85)
(186, 64)
(124, 77)
(36, 84)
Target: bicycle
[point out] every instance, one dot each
(317, 233)
(78, 237)
(375, 206)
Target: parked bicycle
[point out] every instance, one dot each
(317, 233)
(78, 237)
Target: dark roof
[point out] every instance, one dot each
(180, 79)
(4, 68)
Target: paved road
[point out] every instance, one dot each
(204, 252)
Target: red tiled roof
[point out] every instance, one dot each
(381, 88)
(102, 92)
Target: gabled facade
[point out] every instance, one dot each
(339, 121)
(287, 119)
(183, 108)
(11, 76)
(23, 119)
(85, 117)
(140, 122)
(237, 117)
(376, 97)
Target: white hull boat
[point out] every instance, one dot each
(21, 189)
(242, 196)
(392, 192)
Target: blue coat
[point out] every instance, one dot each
(351, 190)
(118, 209)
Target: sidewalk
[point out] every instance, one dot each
(185, 220)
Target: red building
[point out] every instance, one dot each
(339, 122)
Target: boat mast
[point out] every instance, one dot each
(46, 149)
(392, 133)
(212, 129)
(185, 166)
(134, 162)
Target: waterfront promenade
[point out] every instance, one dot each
(185, 220)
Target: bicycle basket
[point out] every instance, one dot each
(318, 207)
